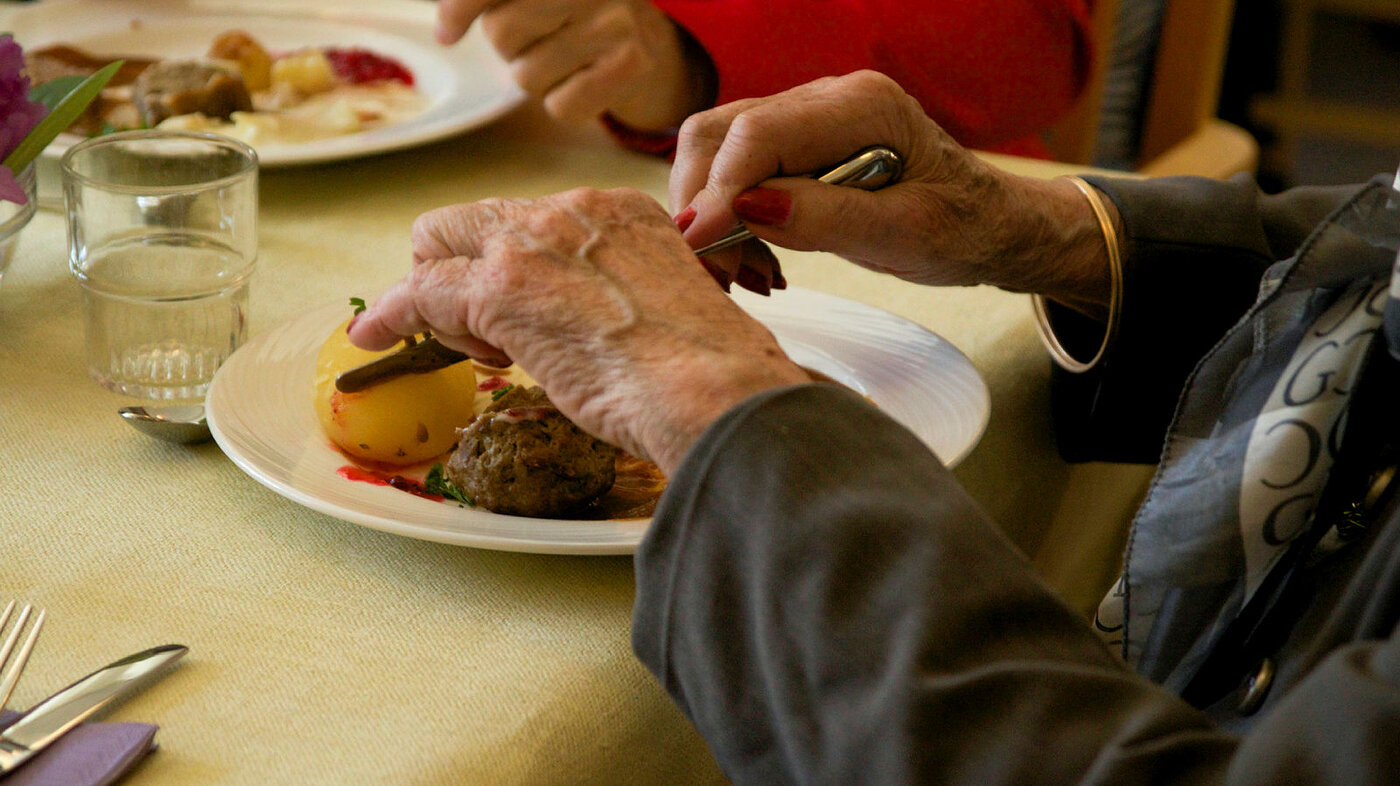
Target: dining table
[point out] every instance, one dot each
(325, 651)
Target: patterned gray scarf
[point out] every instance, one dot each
(1255, 434)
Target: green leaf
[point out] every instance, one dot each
(438, 483)
(60, 118)
(55, 90)
(499, 393)
(358, 303)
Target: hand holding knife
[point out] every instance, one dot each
(870, 169)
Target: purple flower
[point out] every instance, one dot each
(10, 189)
(18, 115)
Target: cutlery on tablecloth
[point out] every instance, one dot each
(870, 169)
(51, 718)
(182, 424)
(11, 674)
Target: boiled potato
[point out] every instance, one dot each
(244, 51)
(308, 71)
(404, 421)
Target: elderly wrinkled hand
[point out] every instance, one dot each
(587, 57)
(597, 297)
(952, 219)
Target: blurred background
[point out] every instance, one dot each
(1317, 83)
(1297, 92)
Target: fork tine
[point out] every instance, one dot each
(13, 670)
(10, 640)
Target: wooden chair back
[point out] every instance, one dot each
(1073, 138)
(1185, 86)
(1180, 97)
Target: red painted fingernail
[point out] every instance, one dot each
(765, 206)
(750, 279)
(720, 277)
(685, 218)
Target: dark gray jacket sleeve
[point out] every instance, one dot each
(827, 605)
(1194, 250)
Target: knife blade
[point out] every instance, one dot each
(870, 169)
(421, 357)
(51, 718)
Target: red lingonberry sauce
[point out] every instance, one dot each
(352, 472)
(358, 66)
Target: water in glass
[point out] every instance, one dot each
(163, 314)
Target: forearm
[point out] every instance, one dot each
(829, 606)
(1058, 246)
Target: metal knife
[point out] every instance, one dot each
(418, 357)
(870, 169)
(51, 718)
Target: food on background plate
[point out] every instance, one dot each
(243, 90)
(183, 87)
(253, 61)
(522, 456)
(113, 107)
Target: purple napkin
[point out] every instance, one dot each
(93, 754)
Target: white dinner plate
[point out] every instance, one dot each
(261, 412)
(466, 85)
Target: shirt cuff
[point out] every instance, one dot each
(656, 143)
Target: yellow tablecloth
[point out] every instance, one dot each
(324, 652)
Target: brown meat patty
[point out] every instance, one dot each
(522, 456)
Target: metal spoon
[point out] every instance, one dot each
(183, 424)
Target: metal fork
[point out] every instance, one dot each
(12, 670)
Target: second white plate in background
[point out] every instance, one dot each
(467, 85)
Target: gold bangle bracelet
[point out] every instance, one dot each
(1052, 342)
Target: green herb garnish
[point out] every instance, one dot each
(498, 392)
(359, 304)
(437, 483)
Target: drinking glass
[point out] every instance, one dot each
(14, 218)
(162, 238)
